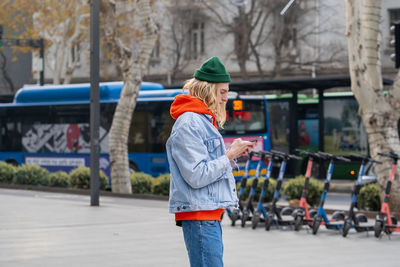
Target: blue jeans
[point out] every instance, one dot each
(203, 241)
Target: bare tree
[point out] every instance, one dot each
(4, 72)
(379, 112)
(247, 24)
(132, 64)
(62, 24)
(300, 30)
(181, 18)
(261, 35)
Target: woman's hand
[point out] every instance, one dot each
(239, 148)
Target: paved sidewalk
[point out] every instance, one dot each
(53, 229)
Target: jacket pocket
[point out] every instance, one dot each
(227, 189)
(214, 147)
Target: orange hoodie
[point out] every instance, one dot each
(188, 103)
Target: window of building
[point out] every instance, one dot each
(76, 53)
(196, 42)
(155, 54)
(394, 15)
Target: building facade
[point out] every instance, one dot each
(254, 41)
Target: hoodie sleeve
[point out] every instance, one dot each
(192, 157)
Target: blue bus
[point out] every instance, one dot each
(49, 126)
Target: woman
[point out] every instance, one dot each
(202, 183)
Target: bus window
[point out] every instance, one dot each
(251, 119)
(11, 136)
(279, 124)
(71, 114)
(344, 132)
(150, 128)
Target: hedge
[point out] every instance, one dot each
(31, 174)
(142, 183)
(80, 178)
(7, 172)
(161, 185)
(270, 190)
(294, 188)
(369, 198)
(59, 179)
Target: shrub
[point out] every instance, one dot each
(369, 197)
(294, 188)
(31, 174)
(142, 183)
(161, 185)
(270, 191)
(7, 172)
(59, 179)
(80, 178)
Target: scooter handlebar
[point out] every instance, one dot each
(308, 153)
(342, 158)
(284, 155)
(391, 155)
(366, 158)
(260, 154)
(331, 156)
(294, 157)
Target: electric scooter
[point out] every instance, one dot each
(235, 214)
(352, 220)
(302, 216)
(261, 210)
(321, 217)
(249, 209)
(276, 214)
(384, 221)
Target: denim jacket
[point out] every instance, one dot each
(201, 174)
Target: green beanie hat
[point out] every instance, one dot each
(213, 71)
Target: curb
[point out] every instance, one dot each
(341, 187)
(81, 191)
(335, 187)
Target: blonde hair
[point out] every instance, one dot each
(208, 93)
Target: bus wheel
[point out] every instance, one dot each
(133, 167)
(12, 161)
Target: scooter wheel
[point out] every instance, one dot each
(244, 218)
(378, 228)
(346, 228)
(312, 213)
(268, 222)
(255, 220)
(298, 222)
(234, 217)
(316, 224)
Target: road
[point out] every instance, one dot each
(54, 229)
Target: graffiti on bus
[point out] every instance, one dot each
(61, 138)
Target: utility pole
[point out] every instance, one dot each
(41, 45)
(94, 103)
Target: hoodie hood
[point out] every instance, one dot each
(188, 103)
